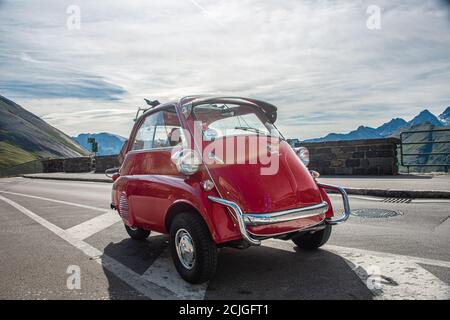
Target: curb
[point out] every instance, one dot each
(393, 193)
(382, 193)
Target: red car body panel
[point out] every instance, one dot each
(244, 184)
(154, 188)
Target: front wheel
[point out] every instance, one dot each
(314, 240)
(194, 253)
(137, 233)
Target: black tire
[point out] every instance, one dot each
(137, 233)
(314, 240)
(204, 249)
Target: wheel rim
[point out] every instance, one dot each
(185, 248)
(133, 228)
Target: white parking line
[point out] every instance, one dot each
(163, 273)
(411, 259)
(88, 228)
(56, 201)
(389, 276)
(147, 288)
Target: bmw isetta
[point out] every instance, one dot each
(215, 172)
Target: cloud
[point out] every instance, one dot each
(316, 60)
(87, 88)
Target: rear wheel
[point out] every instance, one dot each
(194, 253)
(311, 241)
(137, 233)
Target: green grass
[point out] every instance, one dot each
(11, 155)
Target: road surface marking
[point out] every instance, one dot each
(393, 279)
(151, 290)
(56, 201)
(400, 276)
(430, 201)
(88, 228)
(163, 273)
(432, 262)
(389, 276)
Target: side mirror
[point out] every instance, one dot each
(110, 173)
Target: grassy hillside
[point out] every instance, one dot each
(24, 137)
(11, 155)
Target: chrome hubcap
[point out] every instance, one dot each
(185, 248)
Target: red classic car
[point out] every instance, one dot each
(214, 172)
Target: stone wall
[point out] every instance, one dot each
(355, 157)
(106, 162)
(81, 164)
(53, 165)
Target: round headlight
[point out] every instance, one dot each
(187, 161)
(303, 154)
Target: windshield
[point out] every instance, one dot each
(232, 120)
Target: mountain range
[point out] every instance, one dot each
(25, 137)
(108, 143)
(391, 128)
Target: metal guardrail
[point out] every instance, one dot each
(404, 141)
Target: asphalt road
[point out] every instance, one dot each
(51, 231)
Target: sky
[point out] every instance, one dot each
(329, 66)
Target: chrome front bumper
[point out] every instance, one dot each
(254, 219)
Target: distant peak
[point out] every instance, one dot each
(425, 116)
(444, 117)
(425, 112)
(395, 121)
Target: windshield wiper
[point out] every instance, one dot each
(252, 129)
(256, 130)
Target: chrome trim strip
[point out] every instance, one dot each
(255, 219)
(268, 218)
(346, 214)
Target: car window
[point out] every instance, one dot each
(159, 130)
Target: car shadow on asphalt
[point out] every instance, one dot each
(270, 273)
(256, 273)
(136, 255)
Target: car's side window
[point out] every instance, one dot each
(159, 130)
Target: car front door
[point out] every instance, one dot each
(149, 168)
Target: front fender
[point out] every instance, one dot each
(218, 220)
